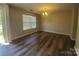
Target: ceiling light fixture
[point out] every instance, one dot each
(42, 13)
(45, 12)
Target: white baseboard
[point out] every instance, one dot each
(57, 32)
(72, 38)
(22, 35)
(62, 34)
(77, 51)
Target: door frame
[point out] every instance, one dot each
(6, 23)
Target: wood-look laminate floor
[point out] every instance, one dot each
(40, 44)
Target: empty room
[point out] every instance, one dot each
(39, 29)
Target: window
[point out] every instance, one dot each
(29, 22)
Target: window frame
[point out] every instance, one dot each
(30, 27)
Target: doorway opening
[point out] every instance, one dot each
(1, 30)
(4, 31)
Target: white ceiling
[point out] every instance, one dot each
(39, 7)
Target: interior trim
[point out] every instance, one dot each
(77, 51)
(57, 32)
(14, 38)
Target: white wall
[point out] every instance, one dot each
(16, 22)
(58, 22)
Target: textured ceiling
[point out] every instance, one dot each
(39, 7)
